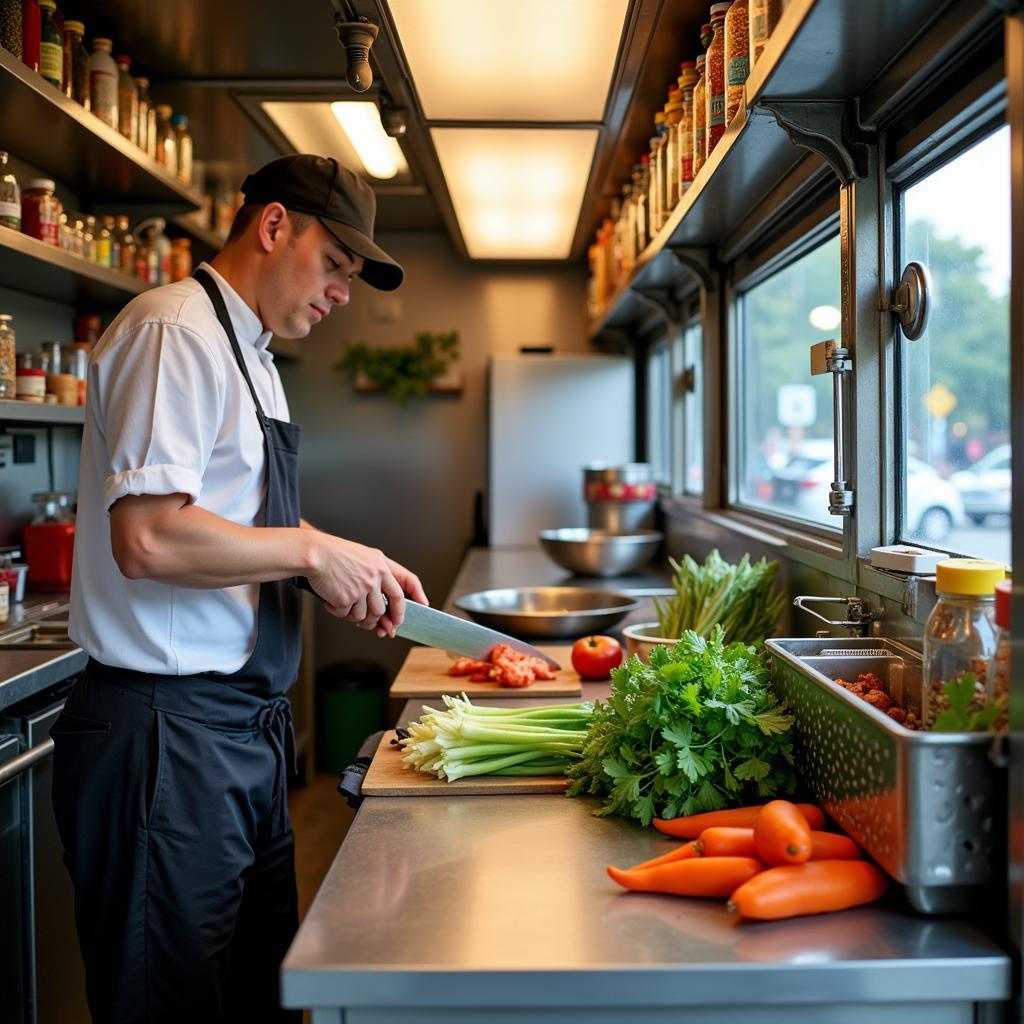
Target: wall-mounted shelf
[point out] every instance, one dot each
(28, 265)
(38, 413)
(43, 127)
(821, 49)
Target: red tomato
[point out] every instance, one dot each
(594, 657)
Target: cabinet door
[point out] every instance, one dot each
(59, 974)
(13, 965)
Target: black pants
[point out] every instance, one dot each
(170, 797)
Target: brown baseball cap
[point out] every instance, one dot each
(340, 199)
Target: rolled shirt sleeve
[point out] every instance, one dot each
(161, 396)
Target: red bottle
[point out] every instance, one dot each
(31, 33)
(50, 542)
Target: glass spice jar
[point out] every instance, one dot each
(103, 243)
(714, 75)
(998, 689)
(40, 211)
(181, 259)
(10, 27)
(110, 225)
(737, 57)
(76, 63)
(655, 189)
(183, 148)
(700, 115)
(89, 238)
(687, 80)
(51, 44)
(640, 174)
(764, 16)
(103, 82)
(127, 100)
(960, 635)
(166, 140)
(147, 117)
(31, 29)
(8, 357)
(10, 196)
(673, 117)
(126, 243)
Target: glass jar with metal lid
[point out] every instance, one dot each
(960, 635)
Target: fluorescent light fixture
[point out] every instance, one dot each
(312, 127)
(380, 154)
(517, 192)
(529, 60)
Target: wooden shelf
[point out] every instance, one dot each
(28, 265)
(33, 412)
(43, 127)
(821, 49)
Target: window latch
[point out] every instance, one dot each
(910, 300)
(830, 357)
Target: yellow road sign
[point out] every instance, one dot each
(940, 401)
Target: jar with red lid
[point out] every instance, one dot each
(50, 541)
(40, 211)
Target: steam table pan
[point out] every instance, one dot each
(930, 808)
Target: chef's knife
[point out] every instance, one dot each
(428, 626)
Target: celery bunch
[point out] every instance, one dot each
(467, 740)
(739, 598)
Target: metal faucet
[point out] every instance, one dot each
(859, 614)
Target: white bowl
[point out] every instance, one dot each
(642, 638)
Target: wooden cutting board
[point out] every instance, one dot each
(388, 776)
(425, 674)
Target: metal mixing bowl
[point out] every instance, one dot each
(590, 552)
(547, 611)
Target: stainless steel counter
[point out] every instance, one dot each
(24, 673)
(498, 909)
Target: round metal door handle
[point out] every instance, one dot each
(911, 300)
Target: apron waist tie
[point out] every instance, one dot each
(275, 719)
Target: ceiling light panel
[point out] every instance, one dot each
(535, 61)
(517, 192)
(353, 135)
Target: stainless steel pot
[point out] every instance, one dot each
(600, 552)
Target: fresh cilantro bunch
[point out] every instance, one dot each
(695, 729)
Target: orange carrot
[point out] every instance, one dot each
(739, 842)
(722, 841)
(833, 846)
(684, 852)
(817, 887)
(781, 835)
(735, 817)
(696, 876)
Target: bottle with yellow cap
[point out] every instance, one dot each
(960, 635)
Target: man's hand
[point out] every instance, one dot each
(362, 585)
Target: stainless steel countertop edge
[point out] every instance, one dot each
(31, 681)
(985, 978)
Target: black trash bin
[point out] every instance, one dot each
(351, 704)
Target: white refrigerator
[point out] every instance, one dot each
(549, 416)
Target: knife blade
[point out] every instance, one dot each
(434, 628)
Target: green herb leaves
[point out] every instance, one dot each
(694, 730)
(738, 598)
(969, 710)
(405, 372)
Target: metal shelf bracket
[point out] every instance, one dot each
(698, 261)
(830, 128)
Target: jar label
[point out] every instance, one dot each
(51, 61)
(716, 111)
(10, 212)
(737, 70)
(103, 95)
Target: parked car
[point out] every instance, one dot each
(934, 506)
(985, 487)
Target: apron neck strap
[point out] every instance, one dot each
(221, 309)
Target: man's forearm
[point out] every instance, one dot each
(191, 547)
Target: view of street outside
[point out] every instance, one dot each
(953, 380)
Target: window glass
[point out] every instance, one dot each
(659, 405)
(693, 409)
(784, 414)
(955, 481)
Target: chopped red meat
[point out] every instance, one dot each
(505, 667)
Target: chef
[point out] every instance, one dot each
(172, 753)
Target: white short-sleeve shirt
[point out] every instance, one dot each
(169, 412)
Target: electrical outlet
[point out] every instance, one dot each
(24, 448)
(6, 449)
